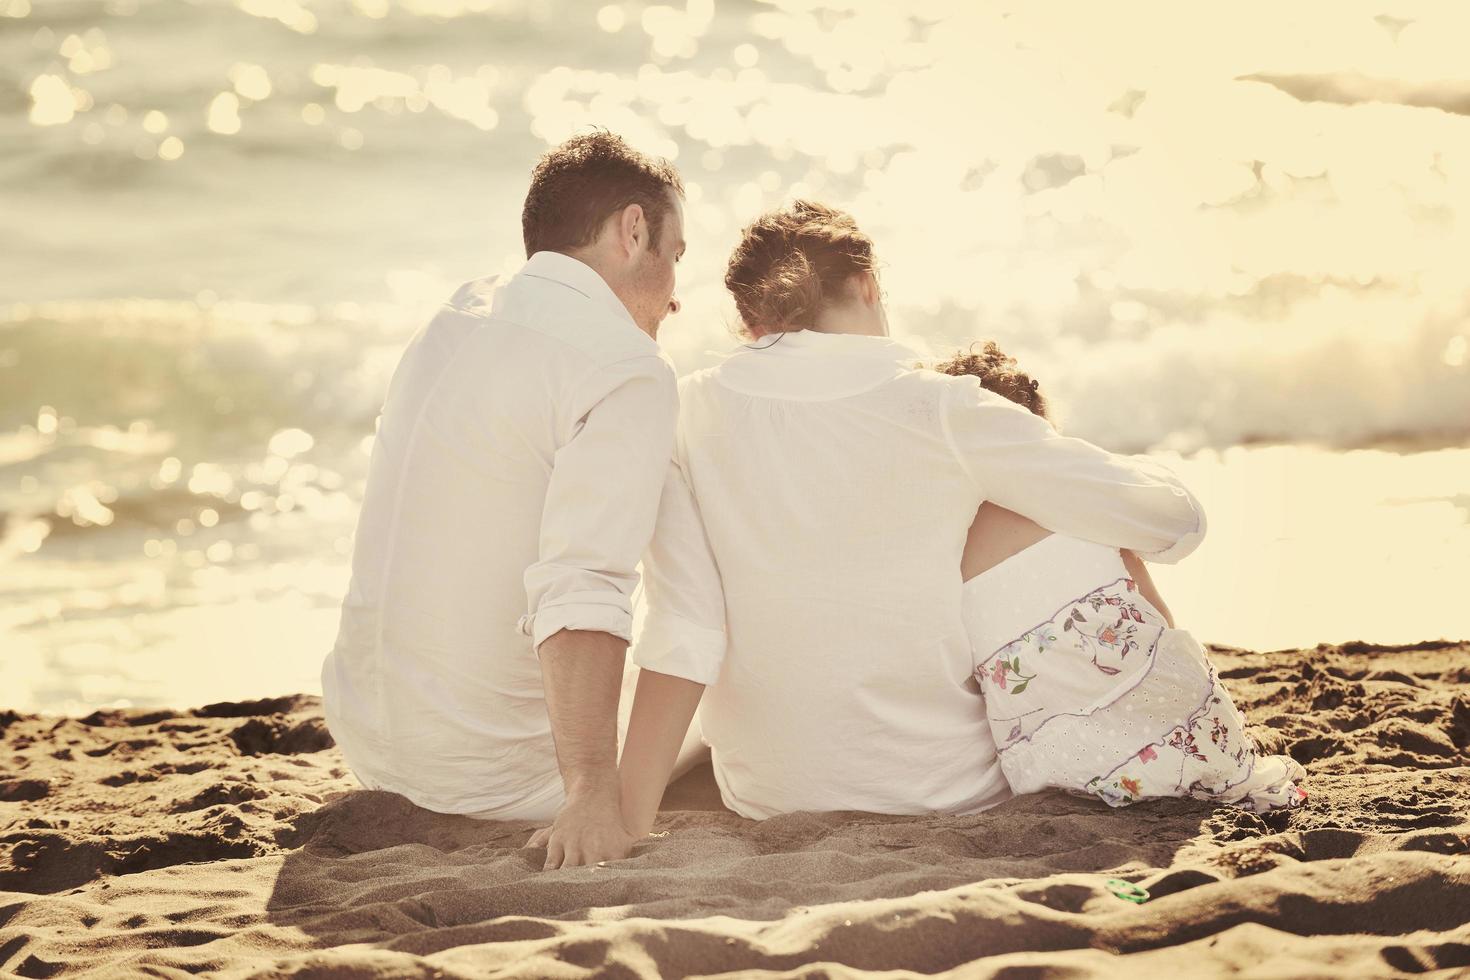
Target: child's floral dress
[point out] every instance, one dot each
(1088, 689)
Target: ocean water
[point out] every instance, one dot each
(1235, 239)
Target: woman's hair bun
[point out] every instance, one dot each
(791, 292)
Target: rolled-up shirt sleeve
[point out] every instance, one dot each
(683, 631)
(602, 500)
(1067, 485)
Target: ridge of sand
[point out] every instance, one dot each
(231, 840)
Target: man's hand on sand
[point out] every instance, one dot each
(588, 829)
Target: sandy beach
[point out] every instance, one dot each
(230, 840)
(1219, 238)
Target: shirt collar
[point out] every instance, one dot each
(578, 275)
(807, 365)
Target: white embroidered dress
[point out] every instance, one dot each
(1088, 689)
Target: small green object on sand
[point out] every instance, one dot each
(1127, 891)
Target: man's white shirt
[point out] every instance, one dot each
(513, 487)
(806, 566)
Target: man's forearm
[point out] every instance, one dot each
(582, 672)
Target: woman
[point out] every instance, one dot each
(805, 562)
(1088, 686)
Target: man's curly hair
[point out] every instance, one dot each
(997, 372)
(579, 184)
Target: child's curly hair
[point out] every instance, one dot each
(997, 372)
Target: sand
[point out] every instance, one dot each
(231, 840)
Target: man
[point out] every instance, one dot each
(513, 487)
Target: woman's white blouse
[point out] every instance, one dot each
(806, 566)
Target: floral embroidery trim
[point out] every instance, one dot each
(1046, 624)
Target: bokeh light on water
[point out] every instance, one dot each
(1200, 228)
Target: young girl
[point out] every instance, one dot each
(1087, 684)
